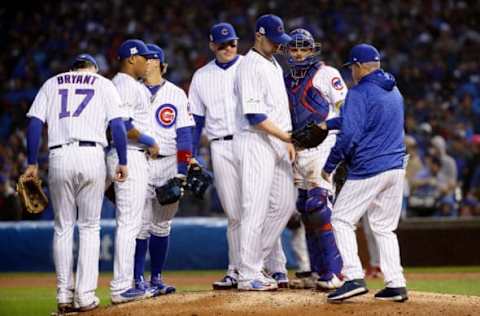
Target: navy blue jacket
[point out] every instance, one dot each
(372, 128)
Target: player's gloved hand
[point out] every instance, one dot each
(171, 191)
(31, 172)
(153, 151)
(198, 180)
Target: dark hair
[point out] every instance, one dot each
(435, 160)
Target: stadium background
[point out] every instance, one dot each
(430, 46)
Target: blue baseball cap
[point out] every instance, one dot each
(362, 53)
(159, 54)
(133, 47)
(272, 27)
(222, 32)
(84, 57)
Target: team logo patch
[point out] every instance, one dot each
(224, 31)
(166, 115)
(337, 83)
(133, 51)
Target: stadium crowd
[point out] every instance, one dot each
(431, 47)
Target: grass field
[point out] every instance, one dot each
(38, 298)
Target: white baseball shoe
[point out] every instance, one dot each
(257, 285)
(327, 285)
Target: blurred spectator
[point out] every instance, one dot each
(430, 193)
(430, 46)
(10, 209)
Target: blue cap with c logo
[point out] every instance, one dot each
(222, 32)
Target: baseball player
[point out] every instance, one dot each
(371, 143)
(172, 129)
(77, 106)
(212, 99)
(130, 195)
(263, 153)
(213, 103)
(316, 92)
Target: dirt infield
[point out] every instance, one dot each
(291, 302)
(284, 302)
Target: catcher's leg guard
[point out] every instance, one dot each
(325, 256)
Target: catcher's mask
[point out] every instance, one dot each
(302, 38)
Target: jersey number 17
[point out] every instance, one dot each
(88, 93)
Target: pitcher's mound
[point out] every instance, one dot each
(293, 302)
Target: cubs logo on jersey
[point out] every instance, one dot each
(337, 83)
(166, 115)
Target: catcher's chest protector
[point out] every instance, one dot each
(306, 106)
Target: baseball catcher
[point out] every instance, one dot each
(31, 194)
(316, 92)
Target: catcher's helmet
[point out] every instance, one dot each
(301, 38)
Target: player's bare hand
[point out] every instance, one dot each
(326, 176)
(31, 172)
(323, 126)
(153, 151)
(121, 173)
(292, 154)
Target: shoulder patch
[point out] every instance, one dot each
(166, 115)
(337, 83)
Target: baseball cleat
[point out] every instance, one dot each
(142, 285)
(281, 279)
(227, 283)
(304, 280)
(130, 295)
(395, 294)
(349, 289)
(257, 285)
(161, 288)
(66, 309)
(331, 284)
(93, 305)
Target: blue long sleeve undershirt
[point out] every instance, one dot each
(197, 133)
(119, 135)
(34, 132)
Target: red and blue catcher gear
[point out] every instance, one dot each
(301, 38)
(307, 103)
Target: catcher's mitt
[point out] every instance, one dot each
(31, 194)
(198, 180)
(309, 136)
(170, 192)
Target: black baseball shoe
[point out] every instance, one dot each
(395, 294)
(347, 290)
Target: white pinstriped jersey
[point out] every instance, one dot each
(260, 88)
(212, 95)
(77, 106)
(169, 111)
(136, 104)
(330, 83)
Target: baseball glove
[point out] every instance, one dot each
(31, 194)
(309, 136)
(171, 191)
(198, 180)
